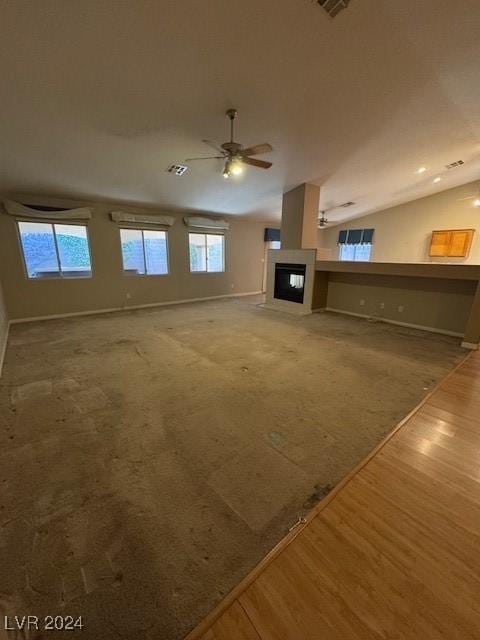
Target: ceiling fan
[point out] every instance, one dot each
(234, 154)
(323, 220)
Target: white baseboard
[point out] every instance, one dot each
(470, 345)
(92, 312)
(410, 325)
(3, 348)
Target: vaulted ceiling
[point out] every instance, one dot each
(99, 97)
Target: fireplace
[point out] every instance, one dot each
(289, 281)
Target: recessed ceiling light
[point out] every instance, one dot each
(421, 170)
(476, 203)
(437, 179)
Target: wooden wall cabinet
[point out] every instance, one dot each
(451, 243)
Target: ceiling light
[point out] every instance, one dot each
(236, 168)
(421, 170)
(476, 203)
(232, 168)
(437, 179)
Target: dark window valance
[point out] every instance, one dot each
(271, 235)
(356, 236)
(367, 236)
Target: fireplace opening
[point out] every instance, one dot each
(289, 282)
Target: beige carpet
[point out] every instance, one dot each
(150, 459)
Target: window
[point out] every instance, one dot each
(144, 251)
(206, 252)
(355, 252)
(355, 244)
(296, 281)
(55, 250)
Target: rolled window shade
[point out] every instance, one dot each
(134, 218)
(342, 236)
(46, 213)
(367, 237)
(197, 222)
(271, 235)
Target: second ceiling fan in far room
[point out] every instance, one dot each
(234, 154)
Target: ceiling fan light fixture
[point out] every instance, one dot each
(236, 167)
(323, 221)
(235, 155)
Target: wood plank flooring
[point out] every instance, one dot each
(393, 552)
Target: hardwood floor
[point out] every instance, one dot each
(392, 552)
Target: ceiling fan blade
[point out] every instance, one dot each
(257, 163)
(205, 158)
(214, 145)
(257, 149)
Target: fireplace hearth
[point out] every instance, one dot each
(289, 282)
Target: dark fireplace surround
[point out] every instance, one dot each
(289, 281)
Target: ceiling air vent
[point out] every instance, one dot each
(177, 169)
(454, 165)
(333, 7)
(346, 204)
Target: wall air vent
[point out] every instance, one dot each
(177, 169)
(454, 165)
(333, 7)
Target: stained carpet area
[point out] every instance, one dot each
(150, 459)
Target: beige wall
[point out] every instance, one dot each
(402, 233)
(299, 217)
(433, 303)
(3, 327)
(109, 287)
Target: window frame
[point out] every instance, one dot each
(205, 234)
(357, 244)
(52, 223)
(125, 272)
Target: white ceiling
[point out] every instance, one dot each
(100, 96)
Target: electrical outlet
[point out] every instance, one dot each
(382, 305)
(128, 295)
(362, 303)
(401, 308)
